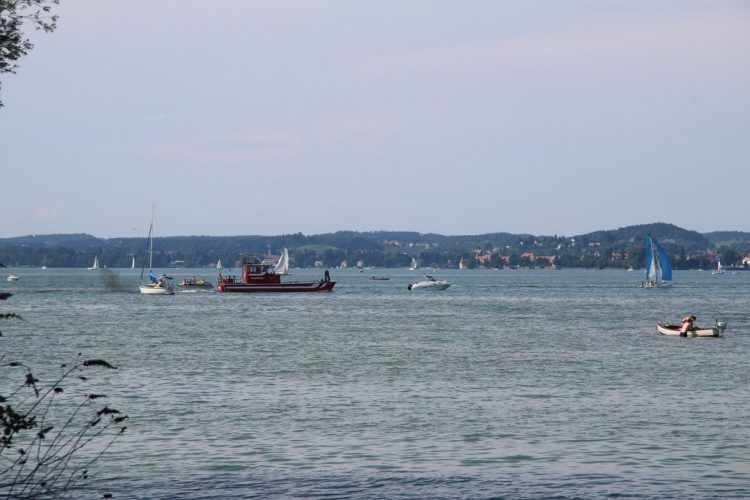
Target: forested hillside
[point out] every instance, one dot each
(622, 247)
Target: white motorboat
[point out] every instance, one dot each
(13, 277)
(714, 331)
(156, 285)
(429, 283)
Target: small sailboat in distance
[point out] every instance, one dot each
(719, 268)
(96, 263)
(658, 269)
(282, 266)
(414, 265)
(156, 285)
(218, 265)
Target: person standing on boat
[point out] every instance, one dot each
(688, 323)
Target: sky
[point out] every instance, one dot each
(455, 117)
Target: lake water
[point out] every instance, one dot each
(523, 384)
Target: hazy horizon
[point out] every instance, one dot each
(279, 117)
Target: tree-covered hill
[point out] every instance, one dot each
(621, 247)
(668, 235)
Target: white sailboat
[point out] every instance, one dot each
(156, 285)
(282, 266)
(719, 269)
(132, 264)
(218, 265)
(96, 263)
(44, 265)
(414, 264)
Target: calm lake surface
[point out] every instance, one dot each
(522, 384)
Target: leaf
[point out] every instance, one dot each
(107, 411)
(44, 431)
(98, 362)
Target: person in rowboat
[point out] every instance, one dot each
(688, 323)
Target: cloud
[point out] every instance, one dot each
(237, 147)
(344, 129)
(694, 35)
(155, 118)
(48, 212)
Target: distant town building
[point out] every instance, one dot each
(344, 264)
(318, 263)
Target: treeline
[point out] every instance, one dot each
(618, 248)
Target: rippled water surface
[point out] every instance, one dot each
(509, 383)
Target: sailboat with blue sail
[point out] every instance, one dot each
(658, 269)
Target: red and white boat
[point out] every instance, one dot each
(714, 331)
(261, 277)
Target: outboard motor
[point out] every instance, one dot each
(408, 287)
(721, 326)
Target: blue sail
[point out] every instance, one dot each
(649, 257)
(666, 269)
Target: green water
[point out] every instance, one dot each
(509, 383)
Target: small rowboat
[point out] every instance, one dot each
(714, 331)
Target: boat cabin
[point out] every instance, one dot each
(255, 272)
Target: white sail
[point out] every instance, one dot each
(282, 266)
(96, 263)
(157, 285)
(218, 265)
(413, 266)
(132, 265)
(719, 268)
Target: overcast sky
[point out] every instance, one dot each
(457, 117)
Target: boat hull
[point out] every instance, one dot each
(315, 286)
(154, 290)
(429, 286)
(715, 331)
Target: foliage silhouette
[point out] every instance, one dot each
(52, 431)
(13, 43)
